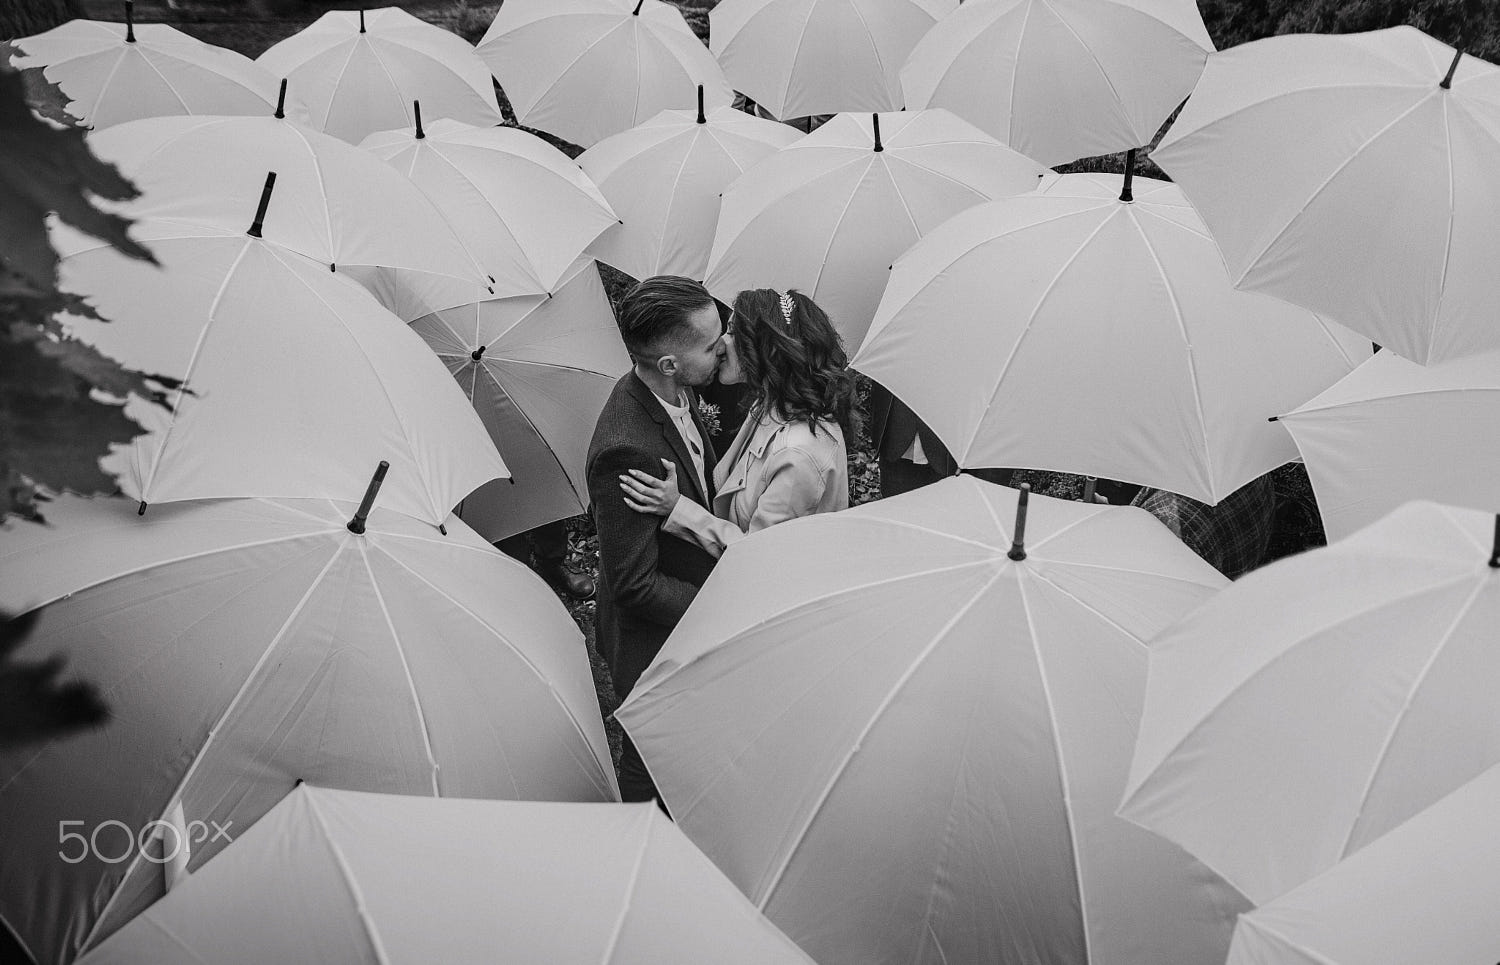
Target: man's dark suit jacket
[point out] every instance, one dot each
(647, 578)
(893, 427)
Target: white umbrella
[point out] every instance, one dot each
(664, 179)
(242, 645)
(1354, 174)
(114, 72)
(1393, 431)
(1078, 332)
(906, 745)
(524, 208)
(828, 214)
(359, 72)
(350, 877)
(1426, 892)
(335, 204)
(1061, 79)
(538, 370)
(296, 381)
(1321, 701)
(586, 69)
(801, 57)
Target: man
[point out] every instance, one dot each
(671, 327)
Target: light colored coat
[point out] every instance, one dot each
(773, 471)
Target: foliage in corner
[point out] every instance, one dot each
(61, 401)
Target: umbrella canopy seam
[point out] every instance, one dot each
(1108, 81)
(1447, 241)
(347, 874)
(1397, 718)
(212, 735)
(1255, 673)
(635, 875)
(1046, 293)
(916, 664)
(1062, 768)
(530, 424)
(1295, 414)
(416, 700)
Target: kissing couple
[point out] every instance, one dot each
(664, 506)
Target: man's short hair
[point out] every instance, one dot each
(655, 310)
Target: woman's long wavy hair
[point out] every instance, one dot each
(799, 370)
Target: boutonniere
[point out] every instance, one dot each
(708, 414)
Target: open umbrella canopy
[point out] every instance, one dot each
(801, 57)
(296, 381)
(1321, 701)
(334, 203)
(586, 69)
(349, 877)
(243, 645)
(523, 207)
(1354, 174)
(1426, 892)
(907, 744)
(1080, 332)
(828, 214)
(117, 72)
(1392, 431)
(1061, 79)
(665, 177)
(538, 370)
(359, 71)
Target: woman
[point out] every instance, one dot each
(789, 458)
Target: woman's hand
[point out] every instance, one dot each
(647, 494)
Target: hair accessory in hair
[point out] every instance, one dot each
(786, 308)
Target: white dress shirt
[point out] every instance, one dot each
(683, 419)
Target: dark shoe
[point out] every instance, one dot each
(561, 578)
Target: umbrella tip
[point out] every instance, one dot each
(477, 354)
(1126, 194)
(357, 524)
(130, 21)
(332, 266)
(1018, 540)
(442, 529)
(1274, 418)
(637, 11)
(702, 118)
(416, 110)
(1447, 82)
(361, 19)
(141, 509)
(1090, 488)
(1494, 553)
(281, 102)
(875, 123)
(265, 201)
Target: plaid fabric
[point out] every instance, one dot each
(1231, 536)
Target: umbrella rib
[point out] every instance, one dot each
(1416, 684)
(1334, 406)
(666, 218)
(786, 89)
(187, 373)
(630, 886)
(334, 254)
(104, 87)
(1108, 81)
(347, 874)
(1062, 769)
(213, 734)
(769, 889)
(837, 223)
(538, 433)
(165, 83)
(525, 661)
(1448, 242)
(1310, 954)
(438, 514)
(1187, 343)
(1338, 169)
(411, 685)
(874, 47)
(529, 264)
(1030, 319)
(1256, 672)
(380, 61)
(1015, 69)
(337, 83)
(558, 76)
